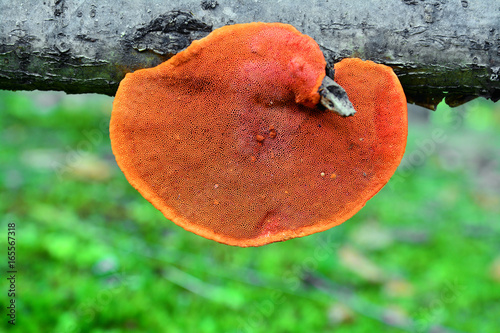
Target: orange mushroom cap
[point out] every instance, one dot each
(225, 140)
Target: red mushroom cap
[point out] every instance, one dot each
(225, 141)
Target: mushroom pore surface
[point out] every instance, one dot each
(225, 140)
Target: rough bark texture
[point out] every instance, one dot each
(437, 47)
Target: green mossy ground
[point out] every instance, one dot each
(93, 256)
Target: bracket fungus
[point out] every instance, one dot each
(226, 139)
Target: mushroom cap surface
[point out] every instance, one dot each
(225, 140)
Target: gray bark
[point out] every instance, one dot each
(437, 47)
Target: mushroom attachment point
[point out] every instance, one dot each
(227, 140)
(334, 98)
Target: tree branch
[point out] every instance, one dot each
(438, 48)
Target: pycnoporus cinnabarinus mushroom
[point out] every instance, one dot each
(226, 139)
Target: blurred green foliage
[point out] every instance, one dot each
(94, 256)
